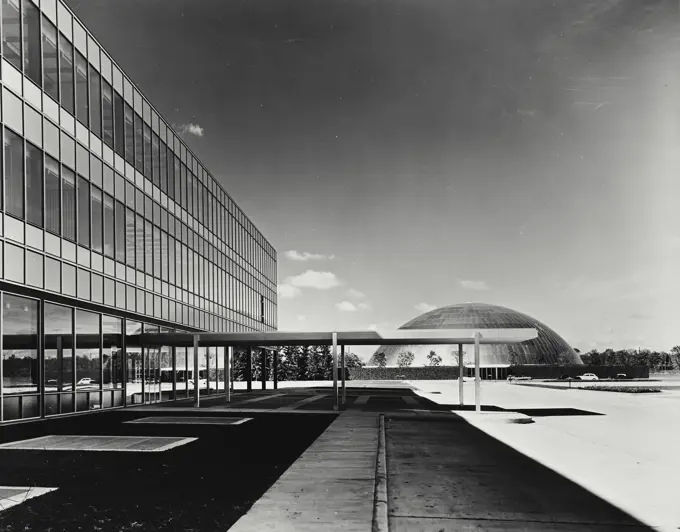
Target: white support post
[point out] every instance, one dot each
(197, 380)
(461, 371)
(478, 380)
(227, 373)
(335, 371)
(342, 365)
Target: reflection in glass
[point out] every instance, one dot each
(34, 185)
(19, 352)
(95, 96)
(14, 174)
(68, 183)
(88, 361)
(50, 62)
(133, 330)
(66, 74)
(112, 360)
(52, 196)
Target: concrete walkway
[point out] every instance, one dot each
(330, 487)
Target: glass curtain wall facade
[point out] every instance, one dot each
(109, 226)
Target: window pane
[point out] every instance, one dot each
(108, 226)
(130, 237)
(112, 356)
(97, 214)
(139, 143)
(14, 174)
(66, 73)
(52, 195)
(155, 163)
(140, 242)
(120, 232)
(88, 363)
(83, 212)
(163, 167)
(107, 113)
(50, 63)
(11, 32)
(34, 185)
(58, 348)
(119, 120)
(82, 111)
(34, 269)
(147, 151)
(68, 183)
(19, 345)
(129, 135)
(95, 98)
(31, 16)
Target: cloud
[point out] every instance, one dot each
(304, 256)
(372, 327)
(346, 306)
(424, 307)
(473, 285)
(288, 291)
(355, 294)
(191, 128)
(364, 306)
(314, 279)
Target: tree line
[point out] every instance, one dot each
(654, 360)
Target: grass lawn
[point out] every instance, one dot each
(205, 485)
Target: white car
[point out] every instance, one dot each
(202, 383)
(85, 381)
(589, 377)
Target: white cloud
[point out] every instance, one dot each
(304, 256)
(314, 279)
(346, 306)
(424, 307)
(288, 291)
(372, 327)
(364, 306)
(355, 294)
(191, 128)
(473, 285)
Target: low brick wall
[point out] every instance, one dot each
(423, 373)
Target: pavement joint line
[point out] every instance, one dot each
(518, 520)
(261, 398)
(302, 402)
(380, 510)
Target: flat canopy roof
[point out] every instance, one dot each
(394, 337)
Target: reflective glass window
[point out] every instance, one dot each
(95, 98)
(34, 185)
(163, 167)
(155, 161)
(147, 151)
(107, 114)
(58, 348)
(119, 124)
(129, 135)
(120, 244)
(14, 173)
(19, 348)
(50, 59)
(68, 189)
(88, 363)
(139, 144)
(11, 32)
(66, 74)
(83, 212)
(52, 196)
(140, 241)
(109, 230)
(130, 237)
(82, 106)
(112, 355)
(148, 235)
(97, 217)
(31, 33)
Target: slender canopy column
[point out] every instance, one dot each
(478, 399)
(249, 369)
(275, 369)
(227, 373)
(264, 368)
(461, 371)
(335, 371)
(197, 380)
(343, 369)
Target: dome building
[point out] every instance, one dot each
(547, 348)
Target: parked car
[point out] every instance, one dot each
(589, 377)
(518, 378)
(621, 376)
(564, 377)
(85, 381)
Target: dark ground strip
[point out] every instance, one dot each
(448, 475)
(205, 485)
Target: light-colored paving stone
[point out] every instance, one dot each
(330, 487)
(98, 443)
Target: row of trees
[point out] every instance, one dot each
(654, 360)
(295, 363)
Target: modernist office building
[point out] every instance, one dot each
(110, 226)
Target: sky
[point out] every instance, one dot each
(403, 155)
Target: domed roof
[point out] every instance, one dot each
(547, 348)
